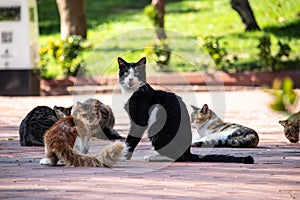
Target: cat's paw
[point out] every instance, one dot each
(128, 155)
(157, 158)
(123, 159)
(147, 158)
(46, 161)
(60, 163)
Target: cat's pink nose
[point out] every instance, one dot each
(131, 79)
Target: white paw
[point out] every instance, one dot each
(157, 158)
(148, 158)
(123, 159)
(128, 155)
(45, 161)
(79, 146)
(60, 162)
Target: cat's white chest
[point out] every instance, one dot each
(126, 93)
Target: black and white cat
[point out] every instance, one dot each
(163, 114)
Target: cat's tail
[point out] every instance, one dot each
(108, 156)
(221, 158)
(111, 154)
(227, 158)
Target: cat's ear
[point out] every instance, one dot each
(283, 122)
(194, 108)
(79, 105)
(142, 61)
(204, 109)
(69, 110)
(122, 63)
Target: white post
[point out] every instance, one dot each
(19, 51)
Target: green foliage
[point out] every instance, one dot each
(284, 94)
(272, 62)
(160, 53)
(65, 55)
(152, 13)
(211, 45)
(190, 18)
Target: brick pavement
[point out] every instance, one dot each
(275, 174)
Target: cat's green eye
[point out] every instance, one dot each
(126, 73)
(136, 73)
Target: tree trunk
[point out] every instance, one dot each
(72, 18)
(160, 7)
(246, 14)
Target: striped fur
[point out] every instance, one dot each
(210, 130)
(292, 127)
(34, 126)
(104, 129)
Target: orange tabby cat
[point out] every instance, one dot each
(68, 140)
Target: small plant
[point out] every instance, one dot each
(44, 60)
(211, 45)
(270, 62)
(67, 54)
(152, 13)
(284, 94)
(160, 53)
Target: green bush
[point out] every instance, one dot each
(63, 57)
(160, 53)
(219, 55)
(284, 94)
(268, 61)
(152, 13)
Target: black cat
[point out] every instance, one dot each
(163, 114)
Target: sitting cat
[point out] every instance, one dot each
(37, 122)
(292, 127)
(163, 114)
(211, 130)
(68, 140)
(107, 121)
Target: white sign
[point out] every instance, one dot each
(18, 35)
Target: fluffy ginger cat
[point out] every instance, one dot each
(68, 140)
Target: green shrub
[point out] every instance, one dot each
(284, 94)
(219, 55)
(152, 13)
(63, 57)
(160, 53)
(268, 61)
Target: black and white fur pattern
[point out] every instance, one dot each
(162, 114)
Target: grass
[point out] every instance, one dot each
(120, 28)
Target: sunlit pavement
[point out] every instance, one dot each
(275, 174)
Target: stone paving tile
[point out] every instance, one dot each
(275, 174)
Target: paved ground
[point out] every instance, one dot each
(275, 174)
